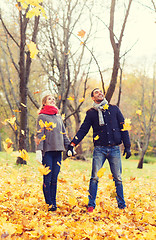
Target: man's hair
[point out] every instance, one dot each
(92, 92)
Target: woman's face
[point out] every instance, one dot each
(50, 101)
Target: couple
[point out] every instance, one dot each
(107, 123)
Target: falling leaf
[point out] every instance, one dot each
(7, 147)
(22, 131)
(106, 106)
(67, 52)
(44, 170)
(11, 120)
(38, 91)
(126, 125)
(96, 138)
(23, 105)
(16, 110)
(43, 138)
(58, 164)
(24, 154)
(81, 43)
(81, 99)
(70, 98)
(132, 178)
(100, 173)
(139, 112)
(18, 7)
(33, 50)
(81, 33)
(41, 123)
(11, 81)
(63, 116)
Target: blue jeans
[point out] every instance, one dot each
(53, 160)
(100, 154)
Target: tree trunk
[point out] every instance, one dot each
(32, 144)
(140, 164)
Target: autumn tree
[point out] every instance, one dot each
(24, 43)
(62, 56)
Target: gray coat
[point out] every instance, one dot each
(56, 139)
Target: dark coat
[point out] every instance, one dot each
(110, 133)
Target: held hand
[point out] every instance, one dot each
(127, 151)
(39, 156)
(70, 151)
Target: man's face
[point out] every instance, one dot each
(98, 96)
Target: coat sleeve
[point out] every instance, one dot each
(124, 134)
(40, 132)
(65, 137)
(84, 128)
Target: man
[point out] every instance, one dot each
(107, 123)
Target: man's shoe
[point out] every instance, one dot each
(90, 209)
(52, 208)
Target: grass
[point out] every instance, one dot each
(129, 166)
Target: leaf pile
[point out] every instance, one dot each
(24, 214)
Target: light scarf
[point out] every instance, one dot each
(99, 108)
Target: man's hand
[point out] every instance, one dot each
(70, 151)
(127, 151)
(39, 156)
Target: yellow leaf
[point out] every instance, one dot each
(85, 200)
(71, 98)
(126, 125)
(96, 138)
(33, 50)
(7, 149)
(33, 12)
(41, 123)
(58, 164)
(81, 33)
(101, 172)
(106, 106)
(11, 120)
(63, 116)
(8, 140)
(81, 99)
(43, 137)
(139, 112)
(24, 154)
(44, 170)
(72, 201)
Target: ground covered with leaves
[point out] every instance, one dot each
(24, 214)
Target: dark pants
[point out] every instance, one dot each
(53, 160)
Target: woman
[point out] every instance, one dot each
(51, 140)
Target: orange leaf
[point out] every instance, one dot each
(81, 33)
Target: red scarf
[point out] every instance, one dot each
(50, 110)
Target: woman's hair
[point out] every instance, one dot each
(44, 99)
